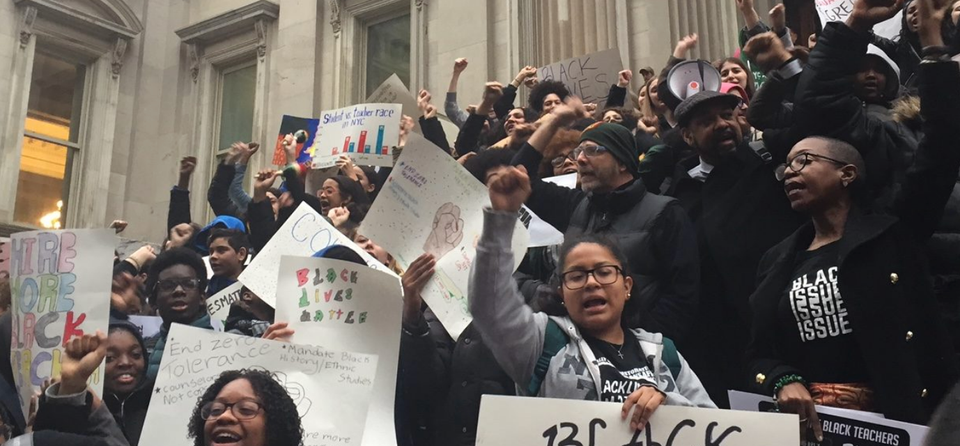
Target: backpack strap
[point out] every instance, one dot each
(761, 151)
(671, 357)
(554, 340)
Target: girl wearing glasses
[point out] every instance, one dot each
(583, 351)
(844, 314)
(246, 408)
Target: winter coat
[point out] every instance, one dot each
(515, 334)
(653, 232)
(179, 209)
(740, 212)
(443, 381)
(160, 340)
(826, 105)
(131, 411)
(883, 275)
(218, 194)
(71, 420)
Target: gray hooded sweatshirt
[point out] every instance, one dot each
(515, 334)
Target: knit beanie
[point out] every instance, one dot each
(618, 140)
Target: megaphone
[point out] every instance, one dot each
(688, 78)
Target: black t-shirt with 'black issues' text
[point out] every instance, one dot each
(812, 309)
(623, 369)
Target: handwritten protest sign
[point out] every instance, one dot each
(553, 422)
(843, 426)
(331, 388)
(291, 125)
(4, 257)
(304, 233)
(366, 133)
(588, 76)
(218, 305)
(430, 203)
(342, 305)
(839, 10)
(60, 288)
(393, 91)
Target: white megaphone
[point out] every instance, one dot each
(691, 77)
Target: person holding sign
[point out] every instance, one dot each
(176, 287)
(246, 408)
(585, 351)
(844, 314)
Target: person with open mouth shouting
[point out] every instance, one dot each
(246, 408)
(583, 351)
(126, 389)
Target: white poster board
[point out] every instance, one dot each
(843, 426)
(589, 76)
(839, 10)
(342, 305)
(60, 289)
(430, 203)
(331, 389)
(568, 181)
(218, 305)
(304, 233)
(367, 133)
(393, 91)
(525, 421)
(541, 232)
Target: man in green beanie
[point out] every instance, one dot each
(654, 231)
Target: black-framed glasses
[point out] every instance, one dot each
(577, 279)
(168, 285)
(590, 151)
(242, 410)
(802, 160)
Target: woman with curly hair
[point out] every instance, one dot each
(246, 408)
(547, 95)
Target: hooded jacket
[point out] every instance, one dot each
(515, 334)
(130, 411)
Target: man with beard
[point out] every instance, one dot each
(652, 230)
(729, 190)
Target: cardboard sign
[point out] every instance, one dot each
(304, 233)
(331, 389)
(839, 10)
(528, 421)
(589, 76)
(430, 203)
(343, 305)
(367, 133)
(843, 426)
(393, 91)
(60, 289)
(292, 125)
(218, 305)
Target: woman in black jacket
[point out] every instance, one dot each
(126, 389)
(844, 314)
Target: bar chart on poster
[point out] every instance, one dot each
(365, 132)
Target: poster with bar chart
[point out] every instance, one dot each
(367, 133)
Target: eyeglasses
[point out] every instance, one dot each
(577, 279)
(558, 161)
(242, 410)
(168, 285)
(802, 160)
(590, 151)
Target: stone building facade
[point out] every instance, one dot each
(100, 98)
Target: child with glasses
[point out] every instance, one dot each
(583, 349)
(175, 286)
(246, 407)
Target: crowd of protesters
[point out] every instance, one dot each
(795, 233)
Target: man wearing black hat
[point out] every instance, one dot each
(652, 230)
(729, 190)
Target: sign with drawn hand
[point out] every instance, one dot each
(331, 388)
(60, 289)
(430, 203)
(342, 305)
